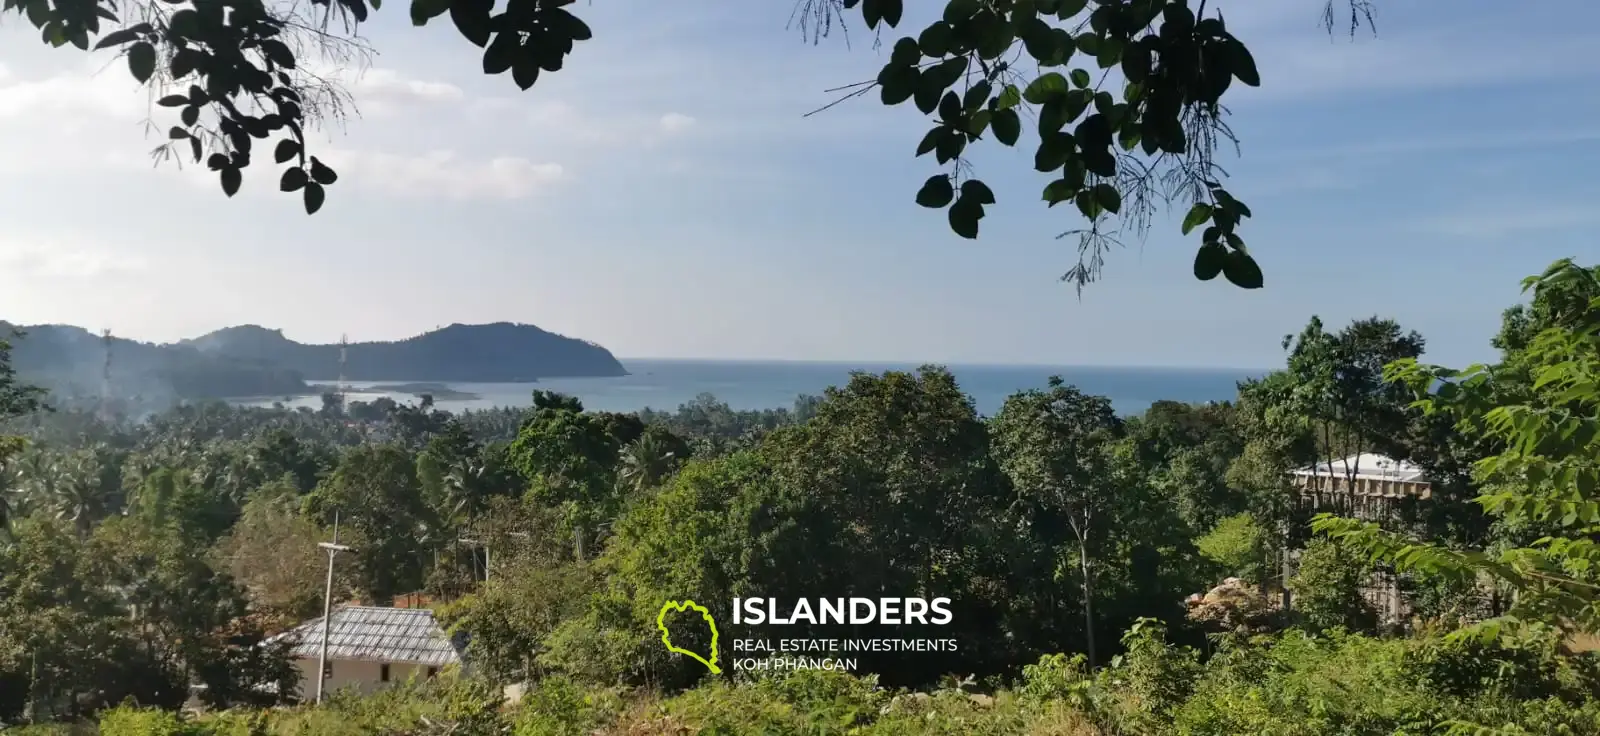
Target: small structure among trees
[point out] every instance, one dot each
(1369, 487)
(1365, 485)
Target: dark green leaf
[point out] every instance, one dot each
(183, 24)
(951, 144)
(1047, 87)
(216, 162)
(314, 197)
(976, 96)
(194, 149)
(231, 178)
(1136, 64)
(423, 11)
(1080, 78)
(964, 216)
(930, 141)
(1069, 8)
(1244, 67)
(1108, 197)
(891, 10)
(1242, 271)
(1208, 262)
(183, 64)
(1109, 53)
(173, 101)
(279, 53)
(1087, 204)
(950, 108)
(899, 82)
(570, 25)
(287, 149)
(978, 122)
(190, 115)
(977, 191)
(871, 13)
(956, 11)
(945, 73)
(1007, 126)
(1053, 151)
(1198, 215)
(142, 61)
(906, 53)
(927, 97)
(1037, 39)
(293, 179)
(177, 133)
(934, 40)
(1052, 117)
(472, 20)
(119, 37)
(1009, 97)
(501, 53)
(936, 192)
(1059, 191)
(321, 174)
(525, 71)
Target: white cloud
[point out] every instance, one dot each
(385, 91)
(674, 122)
(443, 174)
(64, 261)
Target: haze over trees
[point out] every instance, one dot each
(139, 559)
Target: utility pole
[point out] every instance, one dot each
(105, 378)
(344, 346)
(475, 544)
(333, 548)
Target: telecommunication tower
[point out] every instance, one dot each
(105, 377)
(344, 347)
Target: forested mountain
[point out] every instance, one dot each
(250, 360)
(498, 352)
(70, 362)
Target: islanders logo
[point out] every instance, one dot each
(666, 636)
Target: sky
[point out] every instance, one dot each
(664, 196)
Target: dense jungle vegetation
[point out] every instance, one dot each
(139, 559)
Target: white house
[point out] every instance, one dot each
(371, 647)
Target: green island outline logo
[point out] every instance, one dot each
(666, 636)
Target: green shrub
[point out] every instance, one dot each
(1327, 588)
(127, 720)
(558, 706)
(1237, 545)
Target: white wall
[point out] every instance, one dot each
(364, 677)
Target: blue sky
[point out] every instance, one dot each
(663, 196)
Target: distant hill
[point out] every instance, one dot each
(502, 352)
(70, 362)
(250, 360)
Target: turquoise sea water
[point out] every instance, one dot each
(666, 384)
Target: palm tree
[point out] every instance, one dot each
(645, 463)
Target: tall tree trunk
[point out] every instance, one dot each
(1088, 598)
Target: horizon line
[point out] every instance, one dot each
(950, 363)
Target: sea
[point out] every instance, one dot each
(668, 384)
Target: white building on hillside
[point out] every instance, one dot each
(1362, 484)
(371, 647)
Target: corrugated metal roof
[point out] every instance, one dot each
(1367, 465)
(377, 634)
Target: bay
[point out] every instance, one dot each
(667, 384)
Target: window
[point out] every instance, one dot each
(433, 671)
(383, 672)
